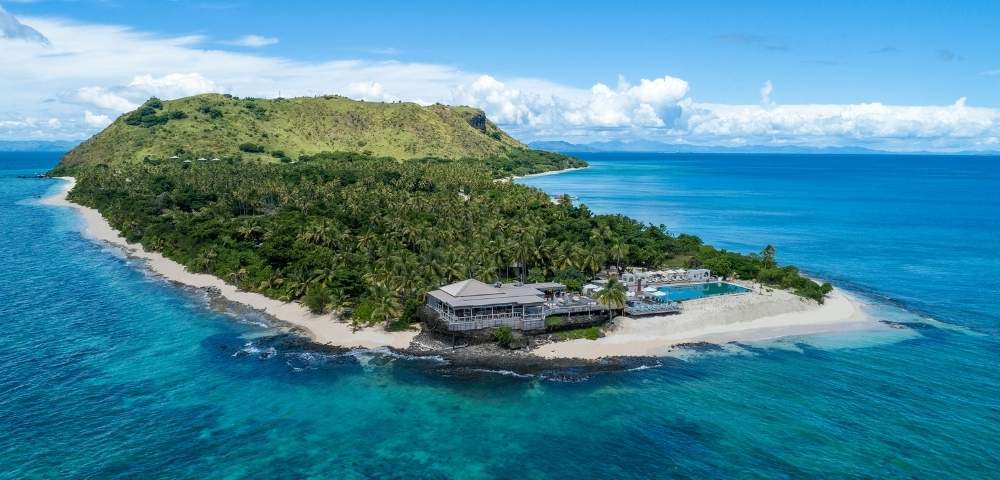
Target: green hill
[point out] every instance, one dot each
(227, 127)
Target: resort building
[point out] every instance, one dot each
(473, 305)
(667, 276)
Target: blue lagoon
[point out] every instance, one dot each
(110, 372)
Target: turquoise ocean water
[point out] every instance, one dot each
(107, 372)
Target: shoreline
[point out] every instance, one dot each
(751, 317)
(542, 174)
(754, 316)
(321, 329)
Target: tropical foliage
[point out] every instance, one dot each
(371, 235)
(612, 296)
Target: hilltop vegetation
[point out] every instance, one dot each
(283, 214)
(225, 127)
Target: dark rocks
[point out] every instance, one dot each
(478, 121)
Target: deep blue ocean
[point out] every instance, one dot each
(108, 372)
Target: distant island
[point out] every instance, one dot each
(353, 211)
(37, 145)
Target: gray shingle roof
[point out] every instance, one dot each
(473, 293)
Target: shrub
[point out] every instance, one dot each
(363, 312)
(317, 300)
(251, 147)
(503, 336)
(211, 111)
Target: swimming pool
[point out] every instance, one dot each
(679, 293)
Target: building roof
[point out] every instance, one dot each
(473, 293)
(546, 286)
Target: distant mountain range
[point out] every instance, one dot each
(37, 145)
(652, 146)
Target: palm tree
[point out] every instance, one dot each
(386, 306)
(768, 255)
(613, 296)
(618, 251)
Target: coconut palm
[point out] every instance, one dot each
(613, 296)
(386, 305)
(618, 252)
(768, 256)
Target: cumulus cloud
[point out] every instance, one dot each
(95, 120)
(101, 97)
(89, 74)
(173, 85)
(626, 105)
(659, 91)
(873, 124)
(252, 41)
(368, 90)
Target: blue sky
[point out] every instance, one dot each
(925, 75)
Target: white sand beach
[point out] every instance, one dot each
(543, 174)
(324, 329)
(758, 315)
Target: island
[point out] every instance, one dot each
(368, 224)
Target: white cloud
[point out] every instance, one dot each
(949, 127)
(173, 85)
(765, 93)
(94, 120)
(101, 97)
(659, 91)
(54, 123)
(252, 41)
(91, 73)
(371, 91)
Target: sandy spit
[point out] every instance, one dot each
(755, 316)
(323, 329)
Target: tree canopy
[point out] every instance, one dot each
(371, 235)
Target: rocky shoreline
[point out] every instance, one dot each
(462, 357)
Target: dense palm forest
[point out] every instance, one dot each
(368, 236)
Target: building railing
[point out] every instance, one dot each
(568, 309)
(649, 309)
(528, 321)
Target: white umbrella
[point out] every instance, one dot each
(650, 289)
(659, 294)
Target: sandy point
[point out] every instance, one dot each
(761, 314)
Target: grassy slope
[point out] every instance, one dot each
(297, 126)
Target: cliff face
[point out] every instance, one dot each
(222, 126)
